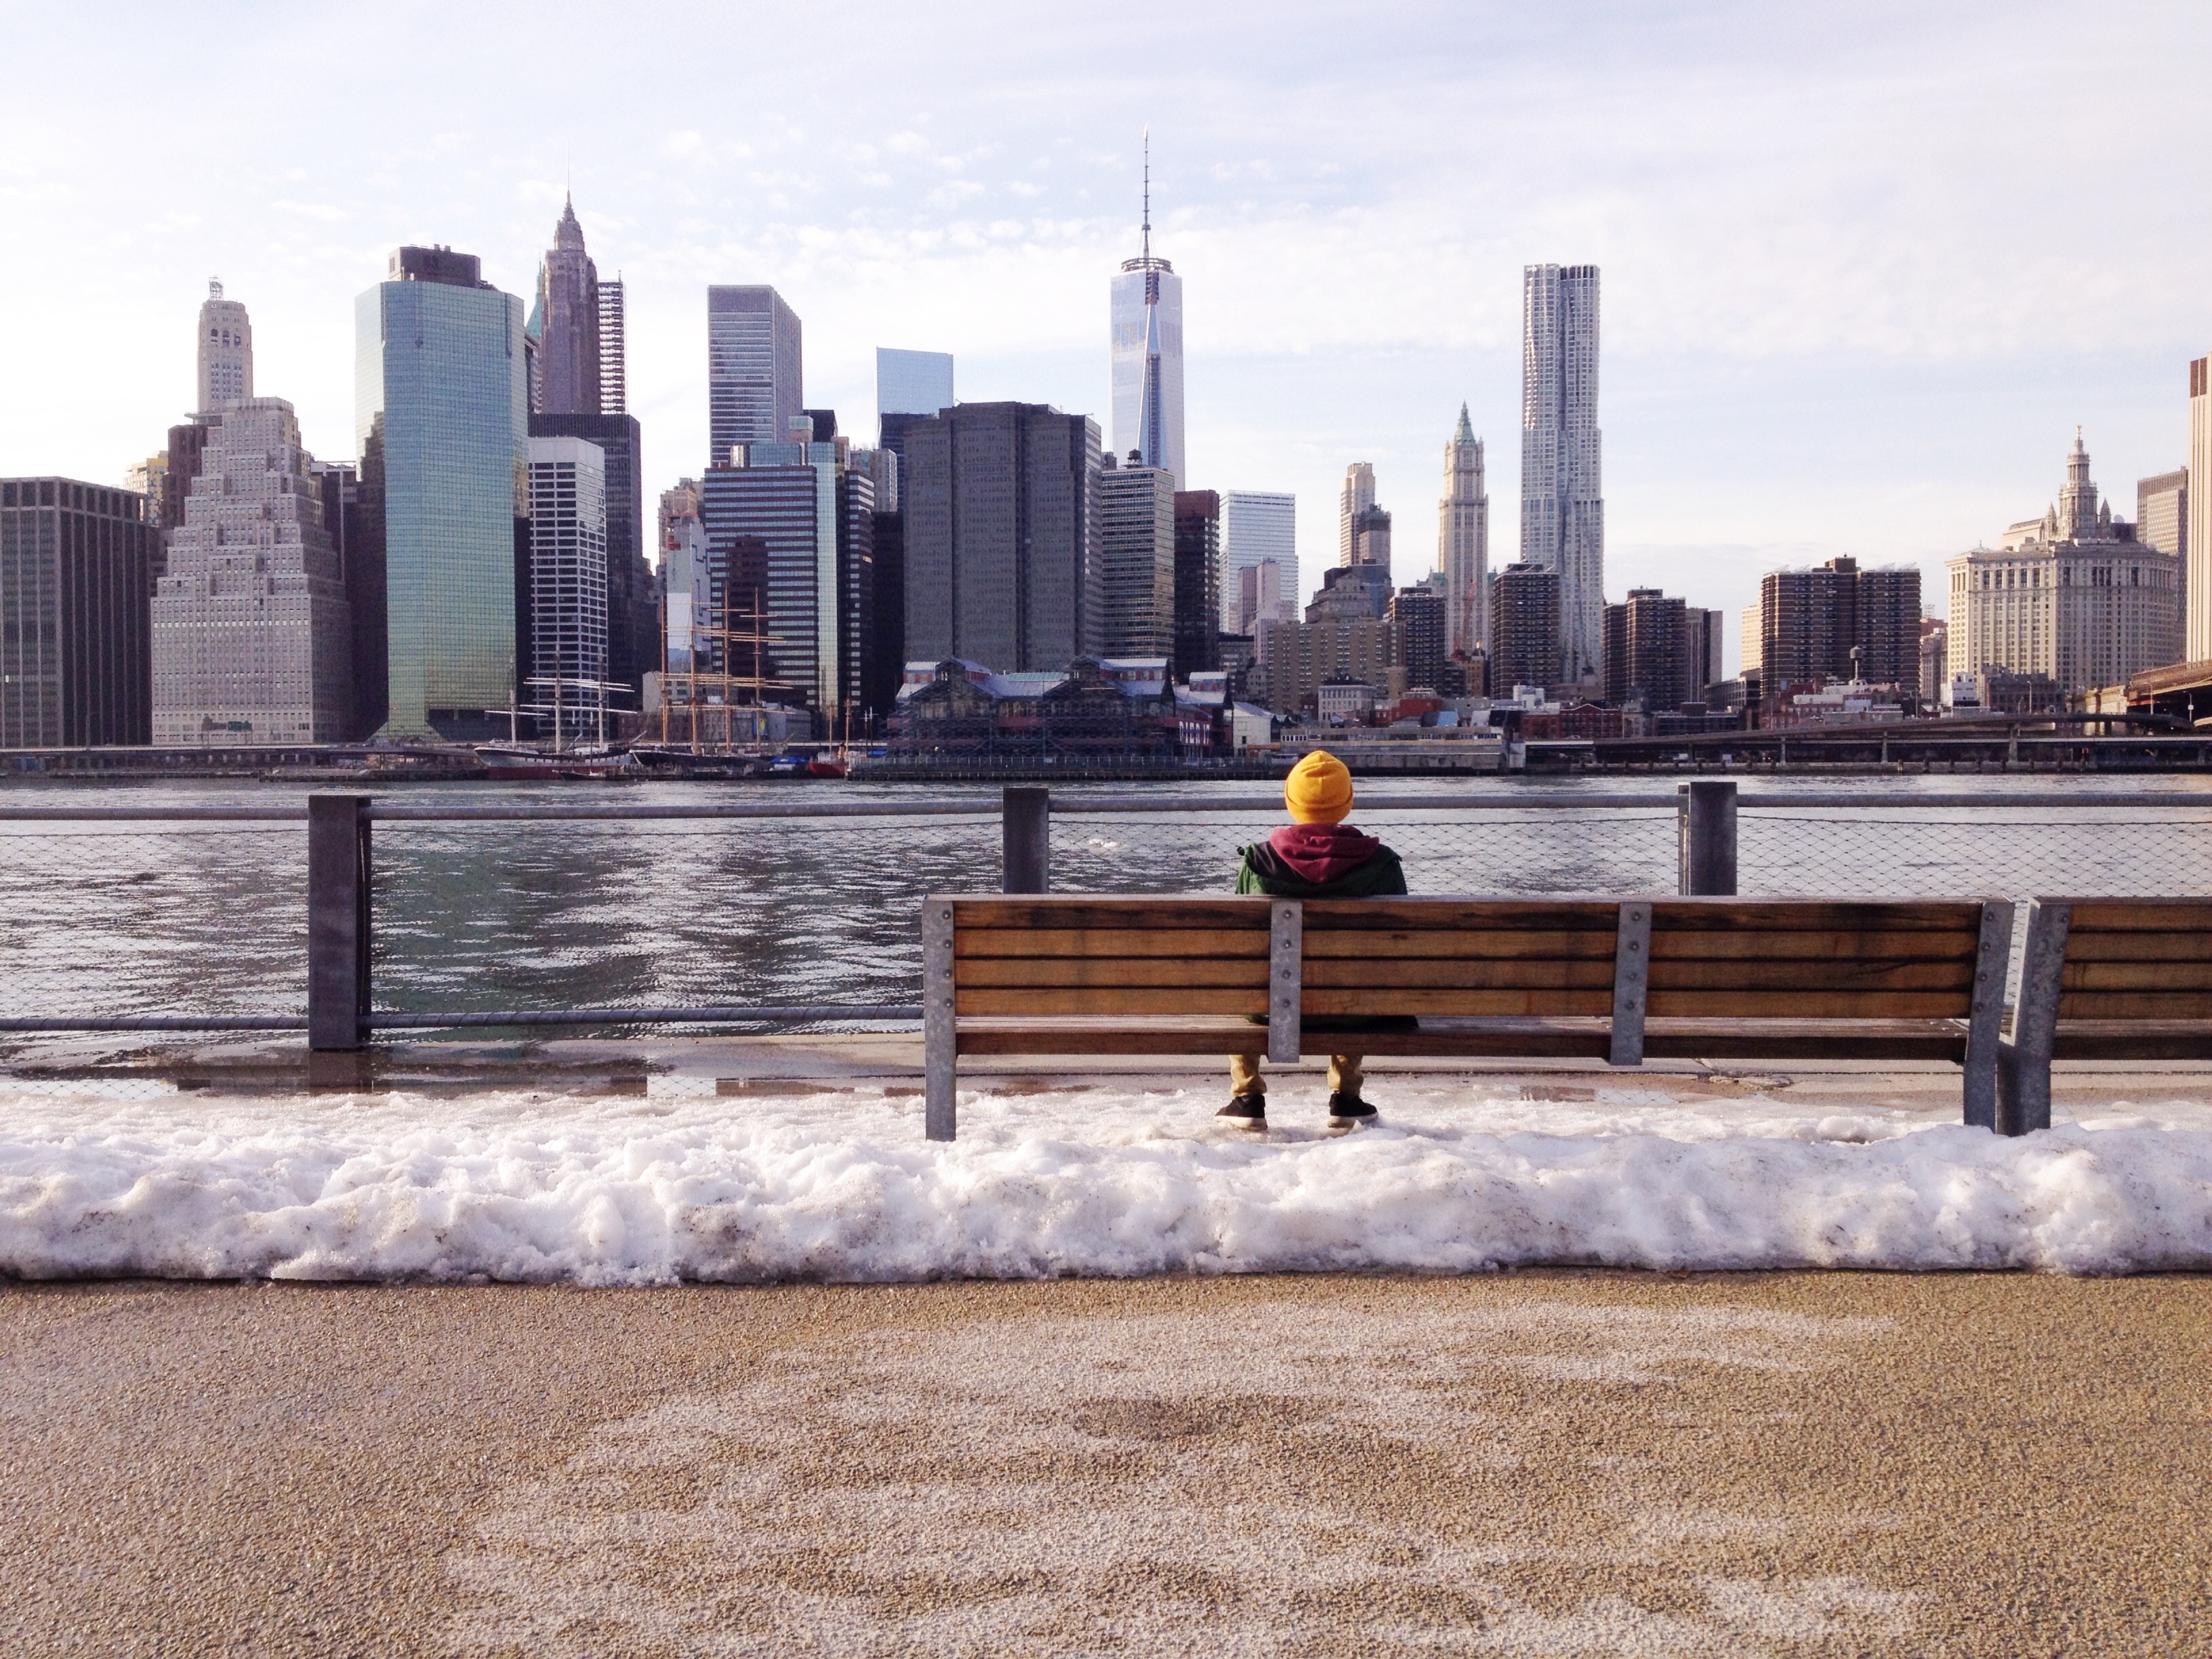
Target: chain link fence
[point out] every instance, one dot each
(134, 920)
(121, 919)
(1445, 850)
(2005, 851)
(473, 917)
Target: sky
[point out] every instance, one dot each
(1865, 268)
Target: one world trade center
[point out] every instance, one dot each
(1147, 354)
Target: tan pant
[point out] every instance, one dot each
(1345, 1075)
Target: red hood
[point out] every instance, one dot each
(1322, 852)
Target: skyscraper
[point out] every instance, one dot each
(1835, 621)
(1260, 596)
(1137, 560)
(1419, 611)
(1356, 496)
(226, 353)
(753, 369)
(1258, 524)
(2162, 512)
(2196, 560)
(568, 642)
(252, 635)
(567, 323)
(1371, 538)
(909, 387)
(1562, 488)
(2073, 594)
(1197, 583)
(614, 349)
(912, 382)
(790, 527)
(1145, 354)
(1647, 651)
(1002, 538)
(76, 564)
(578, 391)
(441, 416)
(1463, 540)
(1524, 627)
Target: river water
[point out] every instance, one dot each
(120, 917)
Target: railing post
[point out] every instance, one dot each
(1708, 830)
(1026, 815)
(337, 920)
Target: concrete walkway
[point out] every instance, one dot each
(1556, 1463)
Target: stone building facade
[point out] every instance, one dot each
(2073, 594)
(252, 634)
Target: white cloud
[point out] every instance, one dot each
(1863, 267)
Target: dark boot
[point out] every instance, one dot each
(1246, 1111)
(1348, 1112)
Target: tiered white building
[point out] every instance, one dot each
(2072, 594)
(250, 628)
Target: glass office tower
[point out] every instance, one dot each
(441, 412)
(754, 369)
(912, 382)
(1257, 526)
(1145, 354)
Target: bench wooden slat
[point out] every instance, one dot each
(1205, 972)
(1496, 1038)
(1187, 1034)
(2139, 947)
(2148, 915)
(1211, 944)
(2078, 976)
(1414, 914)
(1732, 975)
(2133, 1039)
(1535, 945)
(1824, 946)
(1807, 1039)
(1155, 1001)
(1811, 1004)
(1176, 912)
(1439, 974)
(1813, 915)
(1398, 1001)
(2134, 1005)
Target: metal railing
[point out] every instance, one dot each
(392, 915)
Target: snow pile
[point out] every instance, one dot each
(1101, 1181)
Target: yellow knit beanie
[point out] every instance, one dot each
(1319, 789)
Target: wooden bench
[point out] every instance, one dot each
(2105, 979)
(1616, 981)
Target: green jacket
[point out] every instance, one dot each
(1381, 877)
(1260, 869)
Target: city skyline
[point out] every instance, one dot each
(1769, 401)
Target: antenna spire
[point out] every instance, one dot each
(1148, 190)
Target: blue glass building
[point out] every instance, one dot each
(442, 413)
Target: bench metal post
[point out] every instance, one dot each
(337, 920)
(1632, 977)
(1985, 1021)
(1286, 978)
(1026, 817)
(1708, 828)
(939, 1037)
(2024, 1063)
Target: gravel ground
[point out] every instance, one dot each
(1552, 1463)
